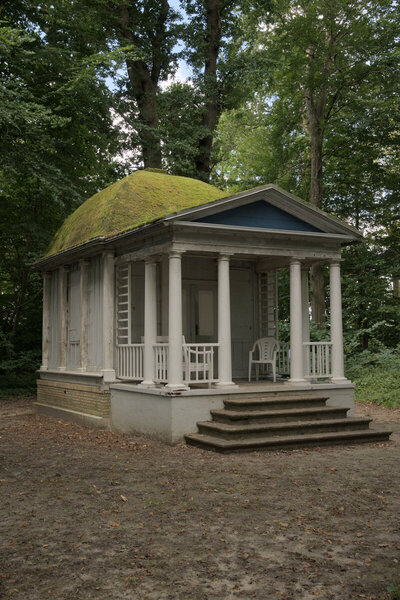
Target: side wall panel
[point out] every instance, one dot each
(54, 338)
(95, 338)
(74, 315)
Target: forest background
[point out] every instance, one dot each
(238, 93)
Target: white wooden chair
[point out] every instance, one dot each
(194, 360)
(266, 348)
(198, 361)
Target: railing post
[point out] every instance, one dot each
(150, 321)
(296, 327)
(336, 323)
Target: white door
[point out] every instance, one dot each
(199, 306)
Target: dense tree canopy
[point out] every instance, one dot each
(301, 93)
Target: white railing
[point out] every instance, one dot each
(199, 363)
(130, 361)
(161, 362)
(318, 359)
(74, 354)
(283, 358)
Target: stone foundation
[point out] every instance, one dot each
(169, 417)
(62, 395)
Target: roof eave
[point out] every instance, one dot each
(342, 238)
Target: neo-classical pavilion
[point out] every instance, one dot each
(156, 289)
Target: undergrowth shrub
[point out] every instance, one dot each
(376, 375)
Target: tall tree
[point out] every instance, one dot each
(326, 54)
(58, 142)
(149, 25)
(224, 68)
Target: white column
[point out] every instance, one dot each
(150, 321)
(224, 324)
(46, 321)
(336, 324)
(175, 353)
(108, 317)
(164, 296)
(63, 304)
(84, 314)
(296, 326)
(305, 315)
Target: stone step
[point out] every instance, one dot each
(222, 415)
(275, 401)
(286, 442)
(259, 430)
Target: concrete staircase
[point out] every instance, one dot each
(281, 421)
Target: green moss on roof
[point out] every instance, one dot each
(141, 198)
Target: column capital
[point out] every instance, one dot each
(175, 253)
(150, 260)
(335, 262)
(295, 261)
(84, 262)
(47, 275)
(64, 268)
(225, 255)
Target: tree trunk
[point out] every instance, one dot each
(211, 109)
(144, 84)
(396, 287)
(145, 94)
(316, 164)
(315, 115)
(317, 294)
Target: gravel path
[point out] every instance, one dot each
(93, 514)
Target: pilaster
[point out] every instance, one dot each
(46, 320)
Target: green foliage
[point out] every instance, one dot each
(377, 376)
(17, 368)
(394, 592)
(58, 139)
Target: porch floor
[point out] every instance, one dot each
(242, 386)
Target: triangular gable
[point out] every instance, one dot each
(260, 214)
(266, 207)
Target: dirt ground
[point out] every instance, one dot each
(93, 514)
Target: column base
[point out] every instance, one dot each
(147, 384)
(226, 384)
(61, 368)
(108, 375)
(297, 381)
(43, 368)
(340, 380)
(176, 387)
(81, 370)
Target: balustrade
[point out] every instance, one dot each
(318, 360)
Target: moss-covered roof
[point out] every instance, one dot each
(141, 198)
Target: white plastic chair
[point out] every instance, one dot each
(267, 349)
